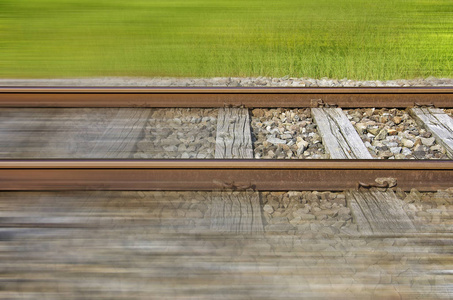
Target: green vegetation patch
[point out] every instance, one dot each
(356, 39)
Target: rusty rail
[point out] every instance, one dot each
(224, 97)
(271, 175)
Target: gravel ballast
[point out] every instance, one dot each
(430, 212)
(285, 134)
(393, 134)
(326, 214)
(308, 214)
(228, 82)
(179, 133)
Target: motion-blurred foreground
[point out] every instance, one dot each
(205, 245)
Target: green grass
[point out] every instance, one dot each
(356, 39)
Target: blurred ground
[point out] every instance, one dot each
(176, 245)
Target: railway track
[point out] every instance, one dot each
(118, 135)
(80, 185)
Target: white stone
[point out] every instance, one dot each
(382, 134)
(428, 141)
(436, 148)
(268, 208)
(406, 151)
(361, 128)
(392, 144)
(395, 150)
(408, 143)
(171, 148)
(300, 212)
(275, 141)
(302, 144)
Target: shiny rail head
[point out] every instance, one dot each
(271, 164)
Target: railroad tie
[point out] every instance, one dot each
(237, 212)
(339, 137)
(439, 123)
(378, 213)
(233, 137)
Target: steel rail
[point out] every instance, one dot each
(224, 97)
(269, 175)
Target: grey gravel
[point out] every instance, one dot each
(431, 212)
(227, 81)
(179, 133)
(307, 214)
(393, 134)
(285, 134)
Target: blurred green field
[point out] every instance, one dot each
(356, 39)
